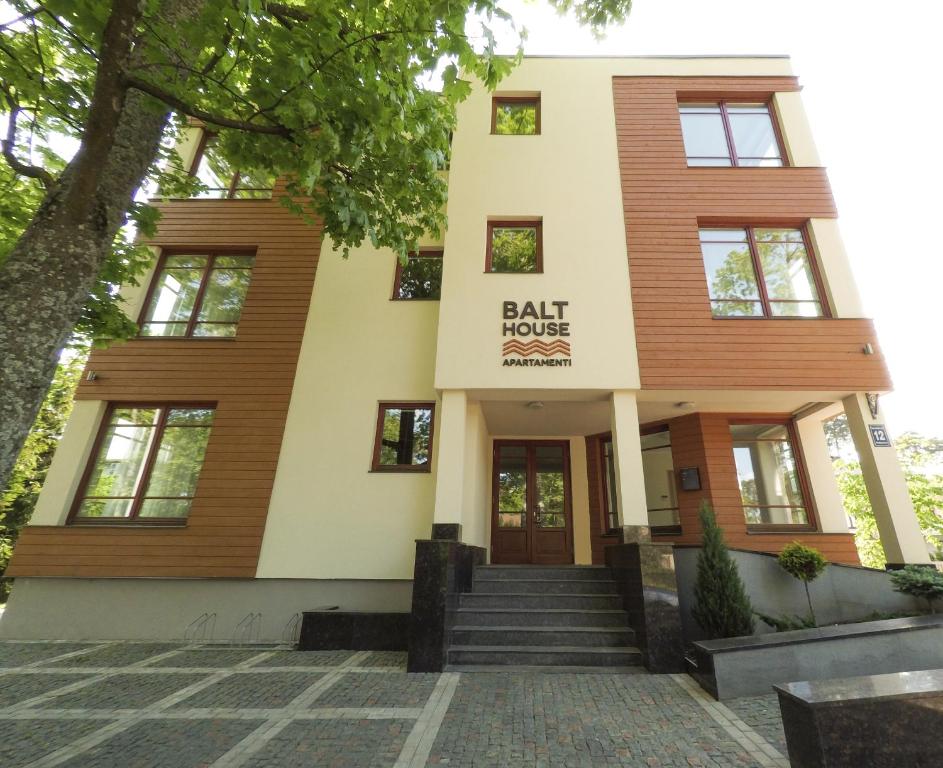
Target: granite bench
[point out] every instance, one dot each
(879, 721)
(750, 666)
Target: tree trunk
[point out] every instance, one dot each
(49, 274)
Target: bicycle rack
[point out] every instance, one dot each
(248, 630)
(196, 630)
(292, 630)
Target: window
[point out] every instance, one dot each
(735, 258)
(661, 494)
(610, 492)
(515, 115)
(197, 295)
(146, 466)
(727, 134)
(420, 277)
(769, 474)
(223, 180)
(514, 246)
(403, 437)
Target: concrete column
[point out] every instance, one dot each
(450, 453)
(818, 464)
(627, 445)
(887, 489)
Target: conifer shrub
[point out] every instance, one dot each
(803, 563)
(721, 605)
(919, 581)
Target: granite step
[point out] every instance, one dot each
(531, 572)
(546, 586)
(540, 617)
(505, 669)
(545, 637)
(534, 656)
(530, 600)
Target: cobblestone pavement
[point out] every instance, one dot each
(160, 705)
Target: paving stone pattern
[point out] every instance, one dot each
(159, 705)
(761, 713)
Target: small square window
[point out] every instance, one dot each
(515, 115)
(515, 247)
(403, 437)
(419, 278)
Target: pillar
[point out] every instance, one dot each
(627, 445)
(450, 457)
(887, 489)
(821, 472)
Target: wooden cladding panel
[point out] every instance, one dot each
(703, 440)
(249, 377)
(680, 345)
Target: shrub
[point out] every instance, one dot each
(919, 581)
(803, 563)
(721, 605)
(786, 623)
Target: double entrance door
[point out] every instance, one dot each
(532, 520)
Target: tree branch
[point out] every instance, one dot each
(188, 109)
(18, 166)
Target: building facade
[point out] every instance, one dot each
(641, 303)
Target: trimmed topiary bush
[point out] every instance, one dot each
(803, 563)
(721, 605)
(919, 581)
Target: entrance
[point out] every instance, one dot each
(532, 521)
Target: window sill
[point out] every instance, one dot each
(754, 318)
(127, 524)
(666, 530)
(761, 529)
(405, 470)
(183, 338)
(399, 298)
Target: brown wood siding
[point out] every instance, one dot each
(250, 378)
(703, 440)
(680, 345)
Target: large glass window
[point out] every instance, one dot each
(221, 179)
(197, 295)
(420, 277)
(661, 494)
(514, 246)
(756, 272)
(769, 474)
(403, 437)
(610, 492)
(147, 464)
(515, 115)
(726, 134)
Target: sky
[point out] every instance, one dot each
(870, 73)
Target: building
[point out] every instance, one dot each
(641, 302)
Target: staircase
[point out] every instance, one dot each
(551, 618)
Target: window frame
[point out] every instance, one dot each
(422, 253)
(728, 130)
(498, 99)
(206, 136)
(765, 302)
(150, 459)
(211, 254)
(802, 474)
(535, 224)
(382, 407)
(675, 529)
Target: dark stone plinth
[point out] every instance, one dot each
(442, 572)
(645, 576)
(353, 631)
(447, 531)
(880, 721)
(751, 665)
